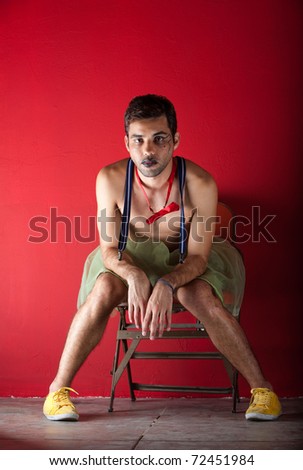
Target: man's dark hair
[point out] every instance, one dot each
(150, 106)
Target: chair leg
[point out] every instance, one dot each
(122, 311)
(115, 364)
(233, 377)
(119, 369)
(235, 391)
(129, 373)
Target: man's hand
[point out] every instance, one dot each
(159, 311)
(139, 289)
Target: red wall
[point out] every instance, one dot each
(68, 70)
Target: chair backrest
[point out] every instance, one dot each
(224, 225)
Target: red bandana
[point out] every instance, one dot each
(172, 207)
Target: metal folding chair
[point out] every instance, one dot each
(129, 338)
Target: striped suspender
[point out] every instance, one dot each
(127, 203)
(126, 210)
(181, 175)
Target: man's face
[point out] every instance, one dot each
(151, 145)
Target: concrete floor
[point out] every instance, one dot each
(155, 424)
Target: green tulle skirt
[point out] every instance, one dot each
(225, 269)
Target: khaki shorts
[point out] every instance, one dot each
(225, 269)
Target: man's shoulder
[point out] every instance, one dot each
(114, 170)
(196, 173)
(201, 187)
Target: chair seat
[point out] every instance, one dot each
(177, 308)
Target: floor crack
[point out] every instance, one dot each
(154, 421)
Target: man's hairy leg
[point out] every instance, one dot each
(88, 327)
(223, 329)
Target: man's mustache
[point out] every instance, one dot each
(149, 159)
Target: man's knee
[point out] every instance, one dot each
(198, 294)
(108, 291)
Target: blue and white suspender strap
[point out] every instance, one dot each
(127, 206)
(183, 233)
(126, 209)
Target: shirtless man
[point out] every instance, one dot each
(148, 272)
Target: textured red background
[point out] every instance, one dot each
(68, 70)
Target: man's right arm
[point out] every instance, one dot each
(109, 222)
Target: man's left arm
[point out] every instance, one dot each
(200, 237)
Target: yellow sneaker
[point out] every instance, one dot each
(58, 407)
(264, 405)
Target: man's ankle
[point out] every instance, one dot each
(54, 386)
(263, 384)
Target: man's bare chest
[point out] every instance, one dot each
(167, 227)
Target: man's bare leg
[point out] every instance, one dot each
(88, 327)
(229, 338)
(223, 329)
